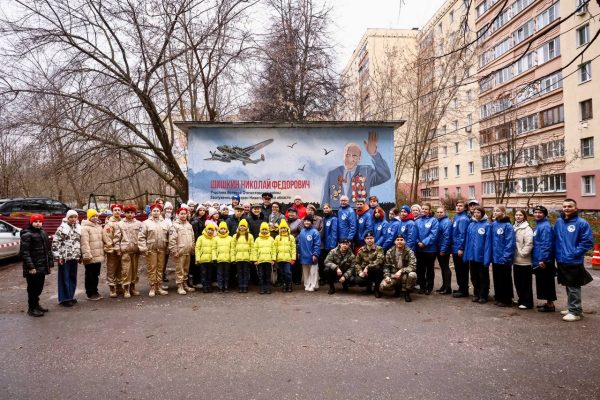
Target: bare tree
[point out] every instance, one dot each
(296, 80)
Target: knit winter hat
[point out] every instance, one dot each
(36, 217)
(405, 208)
(71, 213)
(212, 211)
(168, 205)
(223, 225)
(243, 222)
(91, 213)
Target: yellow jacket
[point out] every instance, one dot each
(225, 245)
(206, 248)
(284, 245)
(262, 251)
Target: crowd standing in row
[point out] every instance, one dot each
(241, 243)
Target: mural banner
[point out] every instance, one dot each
(319, 163)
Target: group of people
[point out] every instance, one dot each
(235, 244)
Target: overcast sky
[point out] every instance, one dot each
(353, 17)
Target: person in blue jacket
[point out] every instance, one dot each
(478, 254)
(329, 236)
(346, 219)
(444, 245)
(392, 230)
(573, 239)
(460, 224)
(503, 252)
(427, 231)
(379, 226)
(309, 246)
(408, 229)
(542, 260)
(364, 223)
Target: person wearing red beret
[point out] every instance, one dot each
(153, 240)
(126, 242)
(181, 247)
(113, 256)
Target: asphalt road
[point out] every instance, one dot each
(292, 346)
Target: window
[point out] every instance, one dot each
(501, 48)
(451, 15)
(504, 159)
(554, 183)
(555, 148)
(549, 50)
(455, 103)
(443, 131)
(588, 185)
(547, 16)
(583, 35)
(529, 185)
(585, 109)
(552, 116)
(587, 147)
(445, 172)
(470, 142)
(446, 193)
(458, 191)
(489, 188)
(504, 75)
(526, 124)
(469, 95)
(487, 161)
(524, 63)
(445, 151)
(550, 83)
(455, 147)
(471, 168)
(581, 6)
(523, 32)
(520, 5)
(455, 124)
(529, 155)
(486, 136)
(457, 169)
(585, 72)
(472, 192)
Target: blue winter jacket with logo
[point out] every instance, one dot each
(543, 243)
(309, 245)
(391, 232)
(364, 225)
(478, 246)
(427, 231)
(459, 231)
(346, 223)
(330, 229)
(380, 228)
(503, 241)
(444, 237)
(408, 230)
(573, 239)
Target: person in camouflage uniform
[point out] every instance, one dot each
(339, 266)
(399, 271)
(369, 265)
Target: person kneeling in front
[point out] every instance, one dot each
(339, 266)
(399, 271)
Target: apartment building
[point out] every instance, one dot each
(535, 101)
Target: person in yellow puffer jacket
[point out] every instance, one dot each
(264, 256)
(206, 255)
(243, 254)
(225, 254)
(284, 249)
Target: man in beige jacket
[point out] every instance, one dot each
(153, 242)
(126, 243)
(113, 258)
(181, 246)
(92, 252)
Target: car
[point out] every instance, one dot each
(10, 240)
(32, 205)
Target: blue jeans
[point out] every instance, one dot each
(574, 299)
(286, 271)
(243, 273)
(67, 281)
(264, 275)
(223, 275)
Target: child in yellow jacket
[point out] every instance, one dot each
(206, 255)
(284, 253)
(225, 253)
(243, 254)
(263, 256)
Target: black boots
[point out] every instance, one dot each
(35, 312)
(331, 289)
(407, 297)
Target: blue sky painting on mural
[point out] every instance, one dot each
(313, 162)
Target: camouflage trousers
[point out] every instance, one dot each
(405, 282)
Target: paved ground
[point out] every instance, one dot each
(292, 346)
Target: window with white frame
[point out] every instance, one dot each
(455, 147)
(587, 147)
(440, 28)
(455, 103)
(523, 32)
(588, 185)
(585, 72)
(526, 124)
(472, 193)
(529, 155)
(552, 149)
(586, 110)
(504, 75)
(554, 183)
(550, 83)
(582, 5)
(549, 50)
(445, 151)
(489, 188)
(455, 124)
(487, 161)
(583, 35)
(529, 185)
(520, 5)
(445, 172)
(524, 63)
(451, 16)
(458, 191)
(469, 94)
(471, 167)
(502, 47)
(457, 170)
(470, 143)
(547, 16)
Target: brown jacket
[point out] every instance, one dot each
(181, 238)
(126, 236)
(92, 245)
(153, 235)
(108, 234)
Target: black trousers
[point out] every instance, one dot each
(92, 272)
(480, 277)
(425, 270)
(503, 286)
(35, 285)
(462, 273)
(195, 271)
(523, 278)
(444, 262)
(297, 273)
(322, 257)
(545, 286)
(375, 277)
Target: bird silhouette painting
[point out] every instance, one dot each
(292, 145)
(327, 151)
(302, 169)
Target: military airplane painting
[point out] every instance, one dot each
(235, 153)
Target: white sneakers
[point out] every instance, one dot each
(571, 317)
